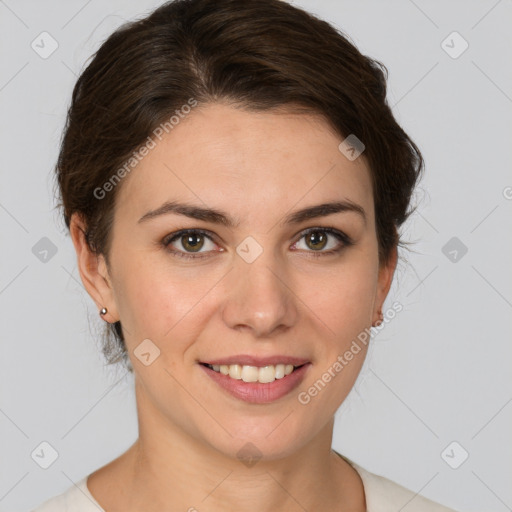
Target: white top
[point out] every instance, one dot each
(382, 495)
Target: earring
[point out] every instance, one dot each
(103, 311)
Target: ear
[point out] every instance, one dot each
(386, 272)
(93, 270)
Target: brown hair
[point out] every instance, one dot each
(253, 54)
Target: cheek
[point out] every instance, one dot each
(161, 302)
(343, 303)
(345, 308)
(343, 299)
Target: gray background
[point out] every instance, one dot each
(438, 373)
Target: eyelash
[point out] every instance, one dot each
(339, 235)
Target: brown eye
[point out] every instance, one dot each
(323, 241)
(316, 240)
(192, 242)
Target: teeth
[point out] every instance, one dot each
(235, 371)
(280, 371)
(263, 374)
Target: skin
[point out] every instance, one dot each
(257, 168)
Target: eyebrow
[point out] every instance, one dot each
(220, 217)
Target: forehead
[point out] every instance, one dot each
(252, 161)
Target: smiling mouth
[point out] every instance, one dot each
(262, 374)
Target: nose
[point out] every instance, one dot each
(260, 299)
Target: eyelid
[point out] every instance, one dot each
(341, 236)
(176, 234)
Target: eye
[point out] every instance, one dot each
(196, 243)
(323, 241)
(188, 243)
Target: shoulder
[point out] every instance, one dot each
(383, 495)
(76, 498)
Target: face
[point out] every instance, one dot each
(261, 278)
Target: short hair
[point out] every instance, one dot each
(256, 55)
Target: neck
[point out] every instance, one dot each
(169, 469)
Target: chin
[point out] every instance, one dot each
(260, 439)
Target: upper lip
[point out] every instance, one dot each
(248, 360)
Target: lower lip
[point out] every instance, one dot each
(257, 392)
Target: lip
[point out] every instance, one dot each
(257, 392)
(248, 360)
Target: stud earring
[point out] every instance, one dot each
(103, 311)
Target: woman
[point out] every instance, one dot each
(234, 181)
